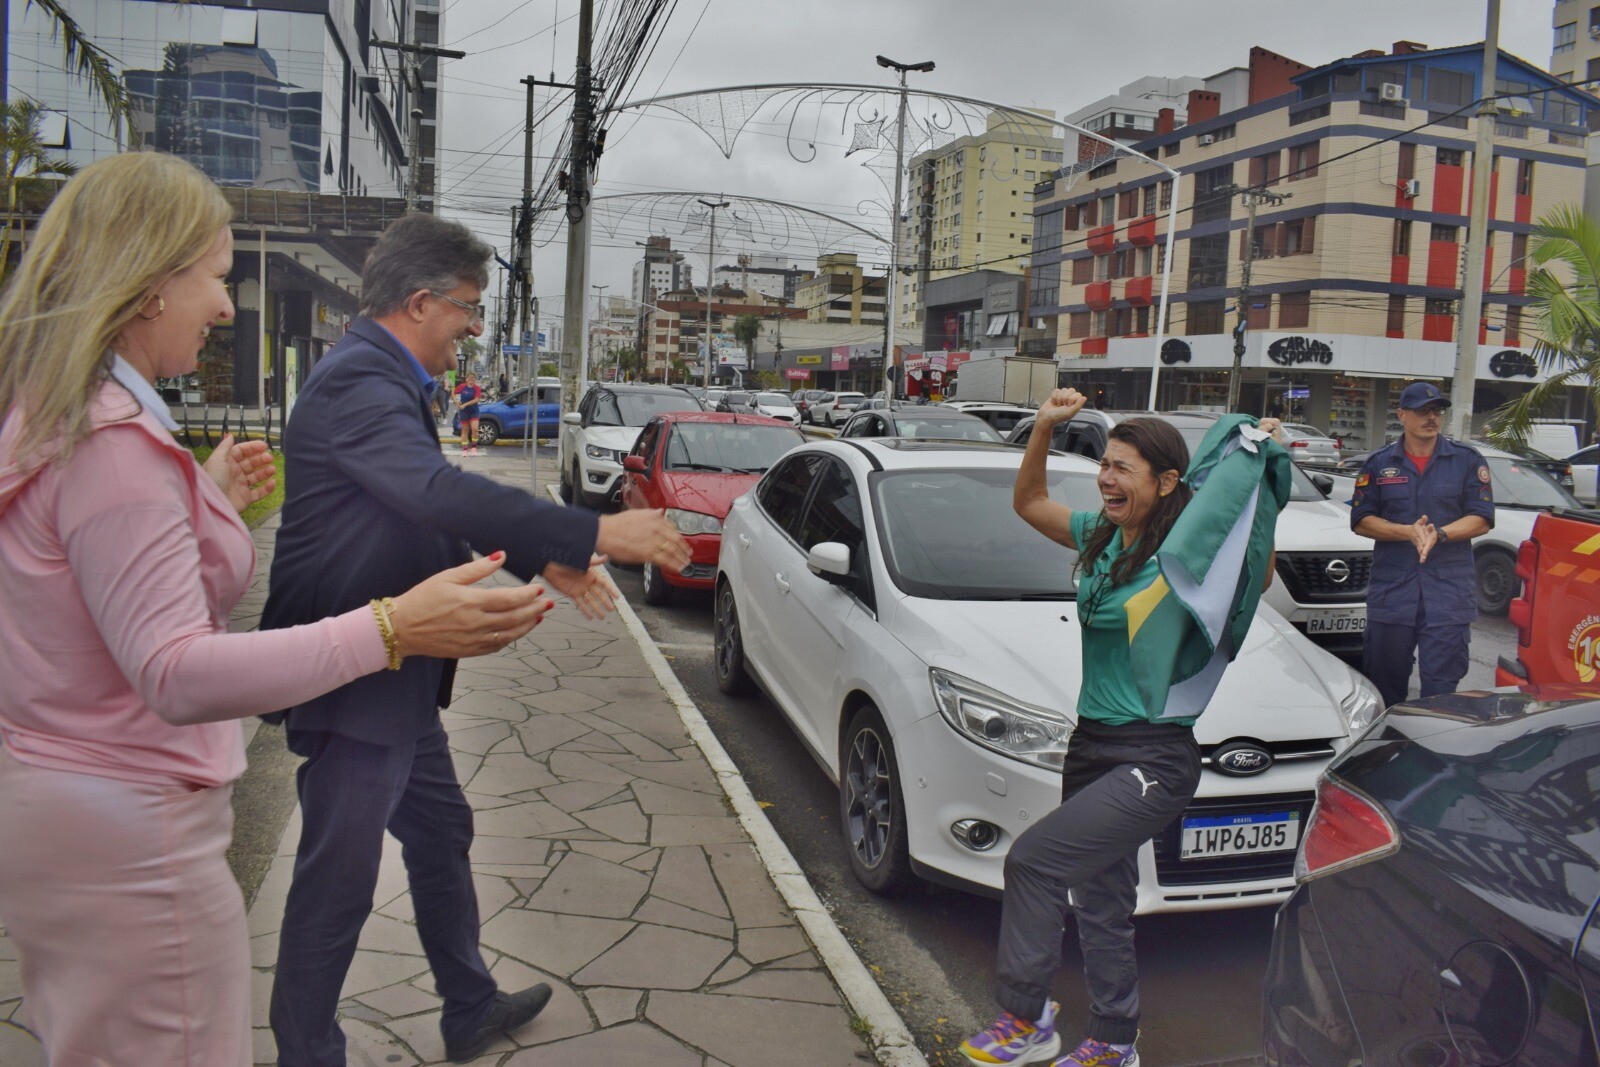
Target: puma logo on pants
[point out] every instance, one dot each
(1144, 783)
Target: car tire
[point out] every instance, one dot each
(1497, 582)
(569, 484)
(656, 590)
(872, 810)
(488, 432)
(727, 643)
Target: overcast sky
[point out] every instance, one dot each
(1058, 54)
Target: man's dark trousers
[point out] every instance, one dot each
(350, 793)
(1441, 653)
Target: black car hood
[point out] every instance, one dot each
(1507, 712)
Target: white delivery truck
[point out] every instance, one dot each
(1006, 380)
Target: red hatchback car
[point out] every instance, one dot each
(695, 464)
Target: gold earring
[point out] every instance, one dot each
(161, 306)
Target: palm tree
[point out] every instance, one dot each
(746, 329)
(88, 60)
(1568, 313)
(24, 168)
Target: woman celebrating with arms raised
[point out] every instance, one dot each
(1170, 577)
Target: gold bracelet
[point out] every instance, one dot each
(391, 645)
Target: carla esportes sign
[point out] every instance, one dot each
(1294, 351)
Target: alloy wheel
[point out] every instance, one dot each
(869, 788)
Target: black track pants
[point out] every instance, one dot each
(1120, 786)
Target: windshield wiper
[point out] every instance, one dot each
(717, 467)
(750, 470)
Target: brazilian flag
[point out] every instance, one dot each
(1186, 628)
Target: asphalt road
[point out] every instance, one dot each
(933, 951)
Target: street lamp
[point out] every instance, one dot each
(889, 304)
(711, 270)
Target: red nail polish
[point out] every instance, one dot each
(497, 556)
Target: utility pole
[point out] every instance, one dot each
(1466, 376)
(411, 75)
(711, 273)
(1253, 198)
(890, 359)
(599, 313)
(578, 216)
(524, 272)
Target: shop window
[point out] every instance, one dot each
(1402, 237)
(1205, 317)
(1440, 232)
(1294, 310)
(1396, 326)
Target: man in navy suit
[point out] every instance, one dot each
(371, 509)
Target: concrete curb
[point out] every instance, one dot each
(892, 1043)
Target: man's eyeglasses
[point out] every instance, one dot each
(1428, 410)
(475, 310)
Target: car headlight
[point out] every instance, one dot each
(1361, 705)
(693, 522)
(999, 723)
(609, 455)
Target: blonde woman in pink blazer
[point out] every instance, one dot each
(120, 561)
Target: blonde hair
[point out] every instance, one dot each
(115, 233)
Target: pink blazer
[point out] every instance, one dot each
(118, 571)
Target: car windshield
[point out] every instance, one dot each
(729, 447)
(953, 535)
(775, 400)
(944, 427)
(1519, 483)
(639, 408)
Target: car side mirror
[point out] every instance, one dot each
(830, 561)
(1323, 482)
(572, 418)
(633, 463)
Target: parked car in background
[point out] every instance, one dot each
(712, 398)
(734, 400)
(1522, 489)
(834, 408)
(693, 464)
(1585, 470)
(595, 437)
(535, 408)
(804, 399)
(1307, 444)
(775, 405)
(1003, 417)
(1449, 880)
(922, 642)
(919, 420)
(1322, 565)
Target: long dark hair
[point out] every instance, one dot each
(1162, 446)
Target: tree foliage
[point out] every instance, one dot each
(25, 165)
(1565, 286)
(746, 330)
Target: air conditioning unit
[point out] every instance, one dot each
(1208, 138)
(1391, 92)
(1412, 188)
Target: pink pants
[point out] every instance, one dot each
(130, 927)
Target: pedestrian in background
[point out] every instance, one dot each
(505, 384)
(1132, 764)
(467, 395)
(371, 502)
(1422, 500)
(120, 561)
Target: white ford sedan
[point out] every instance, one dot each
(923, 642)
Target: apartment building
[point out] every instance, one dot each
(1575, 53)
(841, 292)
(1355, 277)
(970, 206)
(676, 329)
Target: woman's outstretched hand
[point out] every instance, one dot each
(450, 617)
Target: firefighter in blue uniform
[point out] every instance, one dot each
(1422, 500)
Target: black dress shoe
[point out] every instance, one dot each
(509, 1011)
